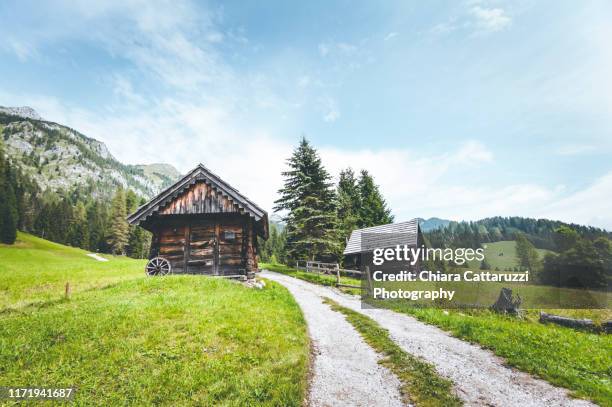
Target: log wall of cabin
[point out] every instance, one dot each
(206, 244)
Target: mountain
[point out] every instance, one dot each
(57, 157)
(432, 223)
(160, 174)
(24, 112)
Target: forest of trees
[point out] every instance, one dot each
(74, 218)
(581, 262)
(540, 232)
(318, 215)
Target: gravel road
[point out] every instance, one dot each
(480, 377)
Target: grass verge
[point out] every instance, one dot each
(421, 384)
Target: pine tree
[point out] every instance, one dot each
(349, 203)
(373, 210)
(273, 249)
(98, 220)
(527, 254)
(8, 202)
(309, 199)
(139, 239)
(78, 235)
(119, 231)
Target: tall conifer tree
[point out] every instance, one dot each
(349, 203)
(8, 202)
(373, 209)
(119, 231)
(310, 202)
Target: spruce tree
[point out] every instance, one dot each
(119, 231)
(349, 203)
(373, 209)
(310, 202)
(8, 202)
(79, 227)
(527, 254)
(139, 239)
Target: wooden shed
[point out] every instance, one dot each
(202, 225)
(362, 242)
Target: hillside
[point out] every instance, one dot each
(176, 340)
(36, 270)
(57, 157)
(502, 255)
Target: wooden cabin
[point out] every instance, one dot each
(359, 247)
(202, 225)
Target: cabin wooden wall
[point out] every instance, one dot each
(200, 198)
(207, 244)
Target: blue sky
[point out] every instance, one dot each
(461, 109)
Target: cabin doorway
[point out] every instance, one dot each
(202, 251)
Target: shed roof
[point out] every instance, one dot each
(199, 173)
(383, 236)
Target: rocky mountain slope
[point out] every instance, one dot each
(60, 158)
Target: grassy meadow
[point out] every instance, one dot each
(37, 270)
(502, 255)
(125, 339)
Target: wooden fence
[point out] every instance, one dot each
(332, 269)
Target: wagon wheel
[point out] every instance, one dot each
(158, 266)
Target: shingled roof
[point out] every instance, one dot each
(198, 174)
(383, 236)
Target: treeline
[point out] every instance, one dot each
(582, 262)
(318, 215)
(540, 232)
(76, 218)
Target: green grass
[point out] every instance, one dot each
(502, 255)
(321, 279)
(420, 383)
(132, 340)
(575, 360)
(36, 270)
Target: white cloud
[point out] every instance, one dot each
(123, 88)
(21, 49)
(330, 109)
(473, 153)
(589, 206)
(444, 28)
(491, 19)
(390, 36)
